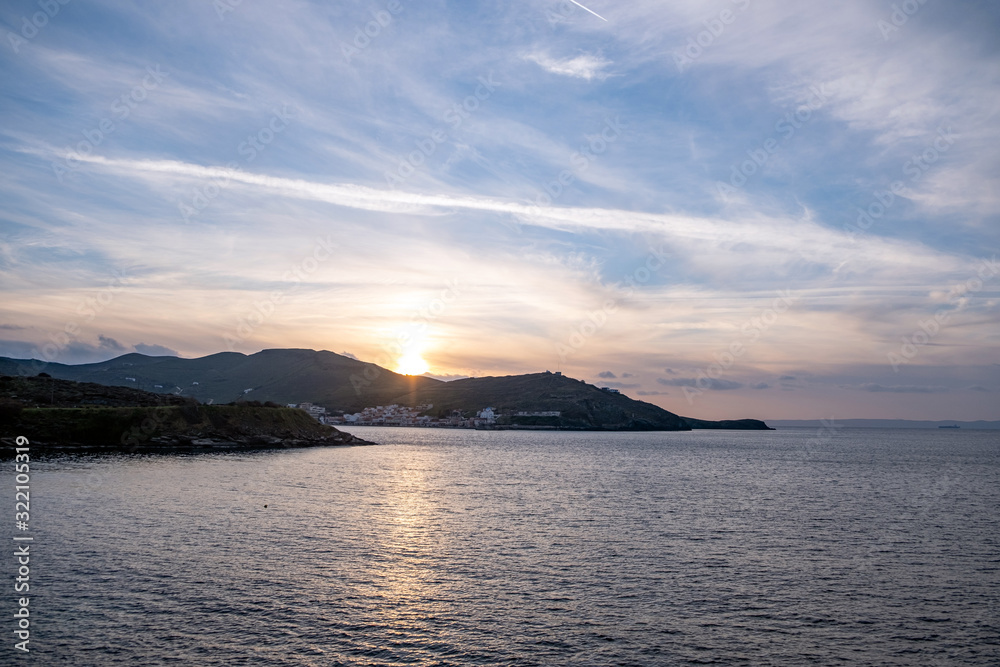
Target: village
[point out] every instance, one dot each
(401, 415)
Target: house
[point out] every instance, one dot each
(317, 412)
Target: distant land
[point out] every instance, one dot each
(65, 416)
(882, 423)
(345, 385)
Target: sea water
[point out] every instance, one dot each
(457, 547)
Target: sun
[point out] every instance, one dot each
(412, 363)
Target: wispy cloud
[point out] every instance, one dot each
(715, 384)
(903, 388)
(584, 66)
(703, 238)
(481, 165)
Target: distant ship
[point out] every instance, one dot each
(950, 426)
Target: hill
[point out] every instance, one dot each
(49, 392)
(580, 405)
(282, 376)
(343, 384)
(67, 416)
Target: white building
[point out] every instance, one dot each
(317, 412)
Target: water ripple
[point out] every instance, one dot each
(517, 548)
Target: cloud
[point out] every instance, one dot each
(790, 382)
(977, 387)
(584, 66)
(620, 385)
(154, 350)
(760, 385)
(18, 349)
(11, 327)
(902, 388)
(652, 393)
(546, 266)
(628, 375)
(75, 352)
(445, 378)
(701, 383)
(110, 344)
(607, 374)
(349, 356)
(713, 245)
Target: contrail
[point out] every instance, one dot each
(589, 10)
(815, 241)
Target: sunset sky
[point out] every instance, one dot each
(739, 208)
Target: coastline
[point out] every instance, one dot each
(170, 429)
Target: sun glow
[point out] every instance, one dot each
(412, 363)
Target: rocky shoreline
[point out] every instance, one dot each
(189, 445)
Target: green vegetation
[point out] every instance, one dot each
(89, 417)
(282, 376)
(151, 428)
(580, 405)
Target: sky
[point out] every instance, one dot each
(734, 208)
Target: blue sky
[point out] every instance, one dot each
(734, 208)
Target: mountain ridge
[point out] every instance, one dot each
(344, 384)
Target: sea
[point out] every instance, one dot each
(461, 547)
